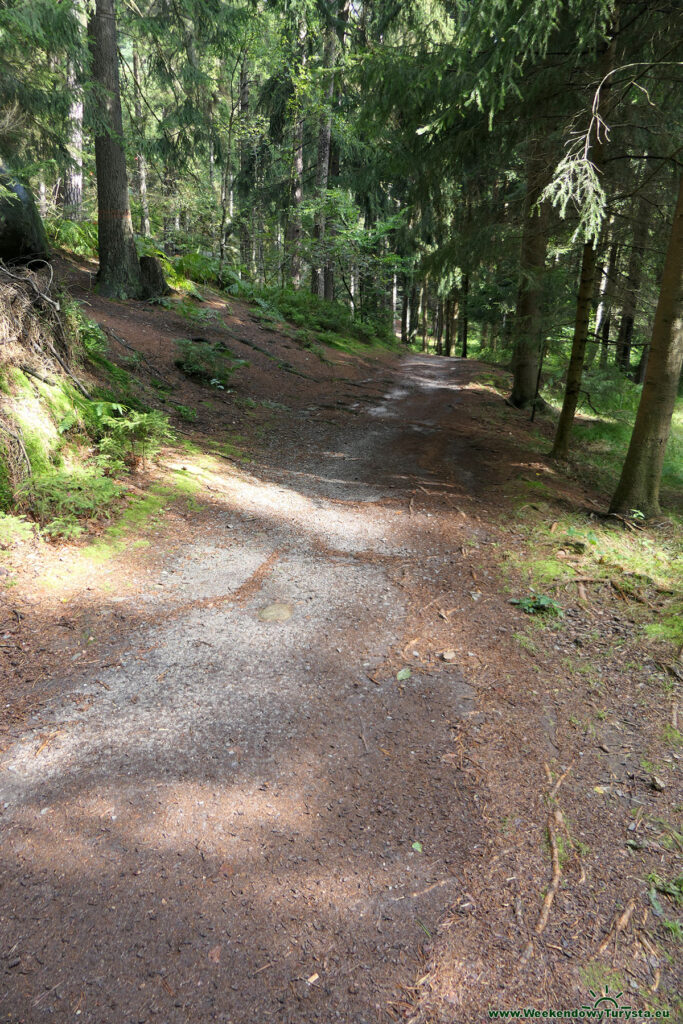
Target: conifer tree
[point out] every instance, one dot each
(119, 272)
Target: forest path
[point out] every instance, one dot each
(239, 818)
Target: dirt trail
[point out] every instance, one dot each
(253, 819)
(291, 760)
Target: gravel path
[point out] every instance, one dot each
(244, 824)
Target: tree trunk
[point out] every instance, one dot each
(296, 197)
(638, 487)
(119, 272)
(73, 179)
(439, 327)
(413, 314)
(323, 165)
(404, 310)
(603, 315)
(331, 228)
(142, 163)
(448, 327)
(575, 370)
(425, 304)
(463, 318)
(587, 280)
(635, 271)
(528, 321)
(244, 154)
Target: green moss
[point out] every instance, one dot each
(142, 515)
(597, 977)
(549, 570)
(20, 383)
(6, 493)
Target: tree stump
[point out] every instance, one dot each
(153, 280)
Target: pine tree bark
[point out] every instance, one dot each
(448, 310)
(575, 370)
(413, 306)
(296, 197)
(405, 312)
(528, 320)
(246, 247)
(73, 178)
(639, 484)
(145, 229)
(439, 327)
(425, 309)
(323, 158)
(463, 318)
(330, 228)
(119, 272)
(634, 276)
(604, 311)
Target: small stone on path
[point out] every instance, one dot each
(277, 612)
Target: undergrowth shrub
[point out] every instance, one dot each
(207, 363)
(59, 498)
(79, 238)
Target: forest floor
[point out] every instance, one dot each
(277, 746)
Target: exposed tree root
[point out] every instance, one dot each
(619, 925)
(555, 822)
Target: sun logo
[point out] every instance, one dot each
(604, 999)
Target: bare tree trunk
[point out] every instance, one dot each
(73, 178)
(439, 327)
(635, 271)
(296, 198)
(604, 312)
(448, 309)
(425, 304)
(463, 318)
(244, 222)
(638, 487)
(330, 229)
(404, 310)
(142, 163)
(575, 370)
(119, 272)
(323, 165)
(413, 305)
(528, 322)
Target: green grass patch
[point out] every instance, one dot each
(14, 530)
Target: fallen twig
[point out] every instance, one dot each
(32, 373)
(554, 822)
(362, 735)
(17, 438)
(619, 925)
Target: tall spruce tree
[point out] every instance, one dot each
(119, 271)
